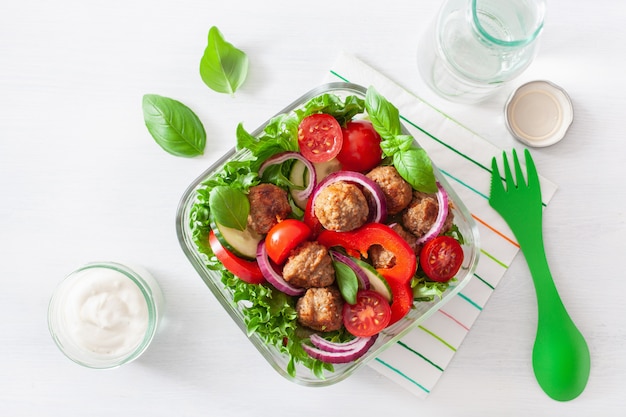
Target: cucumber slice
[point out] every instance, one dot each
(298, 176)
(324, 169)
(378, 283)
(242, 243)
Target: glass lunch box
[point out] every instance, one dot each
(421, 311)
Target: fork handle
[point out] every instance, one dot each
(549, 302)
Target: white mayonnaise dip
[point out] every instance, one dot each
(104, 312)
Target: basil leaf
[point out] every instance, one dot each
(174, 126)
(223, 68)
(347, 281)
(397, 144)
(415, 167)
(229, 207)
(384, 116)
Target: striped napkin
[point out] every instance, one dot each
(418, 360)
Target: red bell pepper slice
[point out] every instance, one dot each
(398, 276)
(311, 220)
(247, 271)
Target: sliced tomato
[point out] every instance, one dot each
(368, 316)
(319, 137)
(441, 258)
(247, 271)
(361, 147)
(284, 237)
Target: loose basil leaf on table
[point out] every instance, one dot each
(223, 67)
(174, 126)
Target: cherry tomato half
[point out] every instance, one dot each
(368, 316)
(361, 147)
(283, 237)
(441, 258)
(320, 137)
(247, 271)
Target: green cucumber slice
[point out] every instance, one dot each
(298, 177)
(378, 283)
(242, 243)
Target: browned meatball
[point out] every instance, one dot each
(382, 258)
(398, 193)
(320, 309)
(341, 207)
(421, 214)
(268, 206)
(309, 265)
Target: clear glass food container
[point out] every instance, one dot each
(390, 335)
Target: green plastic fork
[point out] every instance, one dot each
(561, 359)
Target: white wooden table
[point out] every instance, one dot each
(81, 180)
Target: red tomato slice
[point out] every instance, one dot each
(320, 137)
(284, 237)
(247, 271)
(368, 316)
(441, 258)
(361, 147)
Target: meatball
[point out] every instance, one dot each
(268, 206)
(309, 265)
(341, 207)
(320, 309)
(398, 193)
(421, 214)
(382, 258)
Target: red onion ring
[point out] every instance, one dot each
(271, 275)
(379, 202)
(359, 348)
(442, 214)
(364, 281)
(285, 156)
(324, 344)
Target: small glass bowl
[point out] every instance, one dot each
(63, 313)
(279, 361)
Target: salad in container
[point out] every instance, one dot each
(327, 233)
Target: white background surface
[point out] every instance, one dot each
(82, 180)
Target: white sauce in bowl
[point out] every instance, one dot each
(105, 312)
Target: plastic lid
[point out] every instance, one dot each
(539, 113)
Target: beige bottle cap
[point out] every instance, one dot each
(539, 113)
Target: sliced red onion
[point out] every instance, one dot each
(328, 346)
(285, 156)
(379, 202)
(271, 275)
(358, 349)
(442, 200)
(364, 281)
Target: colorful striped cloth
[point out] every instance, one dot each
(418, 360)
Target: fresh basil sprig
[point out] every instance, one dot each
(229, 207)
(174, 126)
(347, 281)
(411, 161)
(223, 67)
